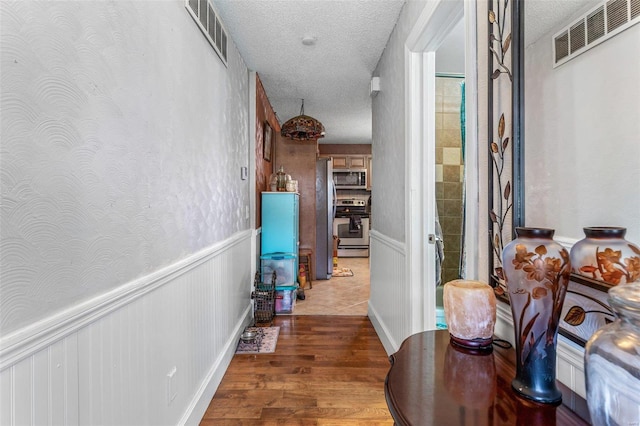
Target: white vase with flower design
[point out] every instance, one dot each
(537, 271)
(605, 255)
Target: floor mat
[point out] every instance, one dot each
(265, 342)
(342, 272)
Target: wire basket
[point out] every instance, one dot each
(264, 300)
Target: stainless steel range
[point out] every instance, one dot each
(351, 225)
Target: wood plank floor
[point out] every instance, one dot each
(326, 370)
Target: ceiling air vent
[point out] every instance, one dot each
(208, 21)
(594, 27)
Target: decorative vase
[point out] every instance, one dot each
(612, 362)
(470, 313)
(605, 255)
(537, 271)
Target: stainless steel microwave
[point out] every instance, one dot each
(350, 179)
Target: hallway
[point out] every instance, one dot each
(339, 295)
(326, 370)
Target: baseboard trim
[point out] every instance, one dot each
(388, 342)
(24, 342)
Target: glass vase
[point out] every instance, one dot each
(612, 362)
(605, 255)
(537, 271)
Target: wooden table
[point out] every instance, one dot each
(433, 382)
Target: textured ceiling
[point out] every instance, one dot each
(542, 16)
(333, 75)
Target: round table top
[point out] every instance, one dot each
(434, 382)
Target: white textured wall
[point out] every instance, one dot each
(582, 137)
(122, 140)
(388, 145)
(126, 251)
(390, 305)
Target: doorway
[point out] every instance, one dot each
(424, 41)
(449, 187)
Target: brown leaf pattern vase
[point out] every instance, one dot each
(537, 271)
(605, 255)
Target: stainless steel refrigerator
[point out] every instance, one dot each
(325, 212)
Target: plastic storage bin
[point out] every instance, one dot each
(283, 264)
(286, 299)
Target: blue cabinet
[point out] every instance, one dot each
(280, 225)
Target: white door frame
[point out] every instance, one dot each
(434, 24)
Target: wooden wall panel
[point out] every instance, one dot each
(264, 113)
(347, 149)
(299, 160)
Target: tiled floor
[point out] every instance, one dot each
(339, 295)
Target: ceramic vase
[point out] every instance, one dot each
(612, 362)
(605, 255)
(537, 271)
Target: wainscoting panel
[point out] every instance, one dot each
(389, 301)
(43, 388)
(153, 359)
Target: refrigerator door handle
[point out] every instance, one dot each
(333, 187)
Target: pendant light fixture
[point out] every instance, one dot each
(302, 127)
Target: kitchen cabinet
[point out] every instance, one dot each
(349, 161)
(357, 161)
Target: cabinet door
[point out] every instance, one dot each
(357, 162)
(340, 162)
(280, 222)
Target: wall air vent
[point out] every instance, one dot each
(635, 9)
(578, 40)
(208, 21)
(597, 25)
(617, 14)
(561, 44)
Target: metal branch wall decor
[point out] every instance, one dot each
(505, 70)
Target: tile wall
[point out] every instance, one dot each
(449, 171)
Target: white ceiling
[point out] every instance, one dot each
(333, 75)
(542, 16)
